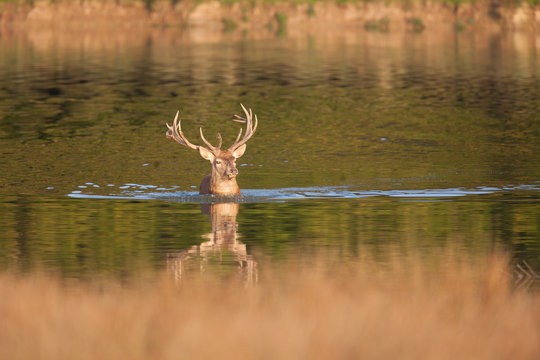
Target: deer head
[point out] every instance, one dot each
(222, 180)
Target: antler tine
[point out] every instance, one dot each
(220, 140)
(250, 129)
(256, 123)
(175, 132)
(239, 119)
(212, 148)
(238, 137)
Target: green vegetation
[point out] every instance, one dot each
(282, 24)
(417, 24)
(149, 4)
(311, 9)
(245, 17)
(459, 25)
(229, 25)
(382, 25)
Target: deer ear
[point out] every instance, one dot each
(206, 154)
(239, 152)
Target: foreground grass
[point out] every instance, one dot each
(411, 309)
(406, 2)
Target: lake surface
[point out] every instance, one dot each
(367, 143)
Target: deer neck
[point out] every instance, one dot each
(225, 187)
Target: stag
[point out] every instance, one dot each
(222, 180)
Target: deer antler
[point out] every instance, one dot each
(175, 132)
(222, 180)
(216, 149)
(250, 128)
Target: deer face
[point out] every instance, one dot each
(224, 163)
(225, 166)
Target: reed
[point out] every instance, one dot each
(409, 308)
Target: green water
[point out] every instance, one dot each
(363, 146)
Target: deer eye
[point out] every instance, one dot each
(218, 162)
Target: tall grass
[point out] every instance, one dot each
(413, 308)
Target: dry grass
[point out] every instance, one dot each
(438, 308)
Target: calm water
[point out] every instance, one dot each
(366, 144)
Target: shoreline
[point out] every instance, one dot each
(280, 18)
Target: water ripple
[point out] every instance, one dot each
(153, 192)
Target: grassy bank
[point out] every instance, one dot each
(272, 16)
(431, 308)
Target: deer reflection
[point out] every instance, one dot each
(222, 248)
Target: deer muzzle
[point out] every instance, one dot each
(231, 173)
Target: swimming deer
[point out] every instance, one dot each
(222, 180)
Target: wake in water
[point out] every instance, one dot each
(153, 192)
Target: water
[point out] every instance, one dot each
(150, 192)
(366, 143)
